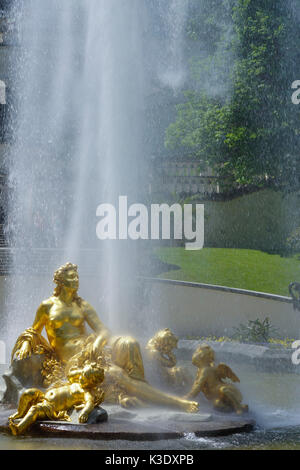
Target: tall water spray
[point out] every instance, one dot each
(80, 90)
(83, 72)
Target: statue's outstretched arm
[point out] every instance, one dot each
(147, 394)
(165, 361)
(197, 386)
(31, 338)
(87, 409)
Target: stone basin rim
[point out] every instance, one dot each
(120, 429)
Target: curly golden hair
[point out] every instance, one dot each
(59, 277)
(164, 338)
(93, 373)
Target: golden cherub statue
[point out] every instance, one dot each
(210, 381)
(160, 351)
(81, 391)
(160, 348)
(64, 316)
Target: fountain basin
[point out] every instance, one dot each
(205, 309)
(140, 426)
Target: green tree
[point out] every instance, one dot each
(252, 133)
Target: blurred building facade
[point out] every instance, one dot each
(183, 176)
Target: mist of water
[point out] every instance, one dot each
(174, 71)
(78, 143)
(83, 71)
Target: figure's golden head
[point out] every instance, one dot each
(203, 354)
(66, 276)
(165, 340)
(91, 375)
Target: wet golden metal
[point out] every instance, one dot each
(210, 381)
(82, 392)
(160, 350)
(161, 346)
(64, 316)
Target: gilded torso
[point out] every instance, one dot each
(65, 327)
(65, 397)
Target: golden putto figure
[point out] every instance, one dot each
(210, 380)
(161, 346)
(81, 391)
(64, 316)
(160, 351)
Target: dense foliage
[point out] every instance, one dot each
(238, 115)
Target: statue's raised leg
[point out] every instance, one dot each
(126, 353)
(35, 412)
(29, 398)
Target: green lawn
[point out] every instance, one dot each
(244, 269)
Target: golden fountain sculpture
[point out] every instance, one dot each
(160, 348)
(82, 392)
(160, 351)
(69, 347)
(210, 379)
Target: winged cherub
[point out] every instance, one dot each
(210, 380)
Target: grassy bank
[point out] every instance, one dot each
(243, 269)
